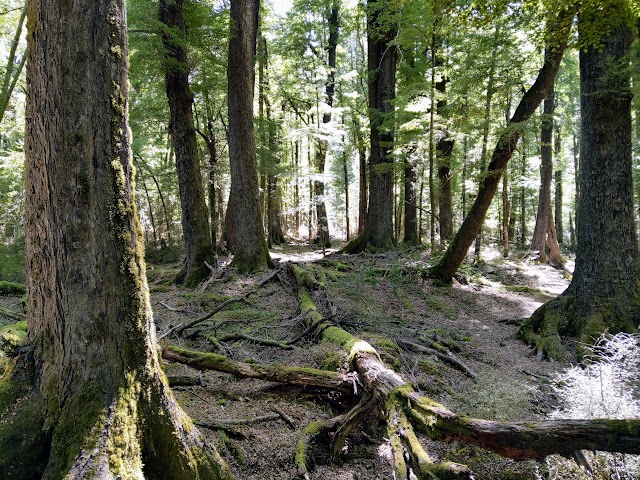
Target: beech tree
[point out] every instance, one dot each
(244, 232)
(85, 396)
(558, 33)
(195, 219)
(603, 291)
(382, 60)
(544, 238)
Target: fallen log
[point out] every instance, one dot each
(304, 377)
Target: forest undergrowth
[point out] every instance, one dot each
(256, 425)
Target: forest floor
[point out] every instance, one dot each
(384, 300)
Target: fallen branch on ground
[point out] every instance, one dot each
(384, 394)
(178, 329)
(445, 357)
(305, 377)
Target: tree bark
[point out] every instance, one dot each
(445, 203)
(362, 178)
(544, 233)
(245, 233)
(410, 200)
(455, 254)
(322, 227)
(90, 398)
(195, 219)
(382, 59)
(603, 291)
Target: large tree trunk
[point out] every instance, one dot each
(382, 59)
(455, 254)
(603, 292)
(544, 233)
(245, 234)
(195, 219)
(90, 397)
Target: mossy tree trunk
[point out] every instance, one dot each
(195, 218)
(382, 59)
(243, 225)
(558, 30)
(90, 398)
(603, 294)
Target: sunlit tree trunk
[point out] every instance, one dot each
(245, 233)
(382, 59)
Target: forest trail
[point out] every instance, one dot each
(383, 300)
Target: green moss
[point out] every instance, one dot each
(333, 361)
(12, 288)
(435, 304)
(429, 367)
(12, 336)
(229, 445)
(160, 288)
(527, 289)
(23, 443)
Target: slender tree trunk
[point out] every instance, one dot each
(523, 191)
(296, 191)
(324, 239)
(244, 225)
(432, 147)
(345, 177)
(465, 157)
(558, 190)
(455, 254)
(485, 133)
(445, 198)
(410, 207)
(91, 398)
(382, 59)
(362, 184)
(151, 216)
(12, 71)
(544, 234)
(195, 219)
(271, 159)
(603, 294)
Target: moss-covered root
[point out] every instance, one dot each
(406, 446)
(542, 330)
(179, 451)
(303, 449)
(141, 433)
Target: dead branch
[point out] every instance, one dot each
(446, 357)
(262, 341)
